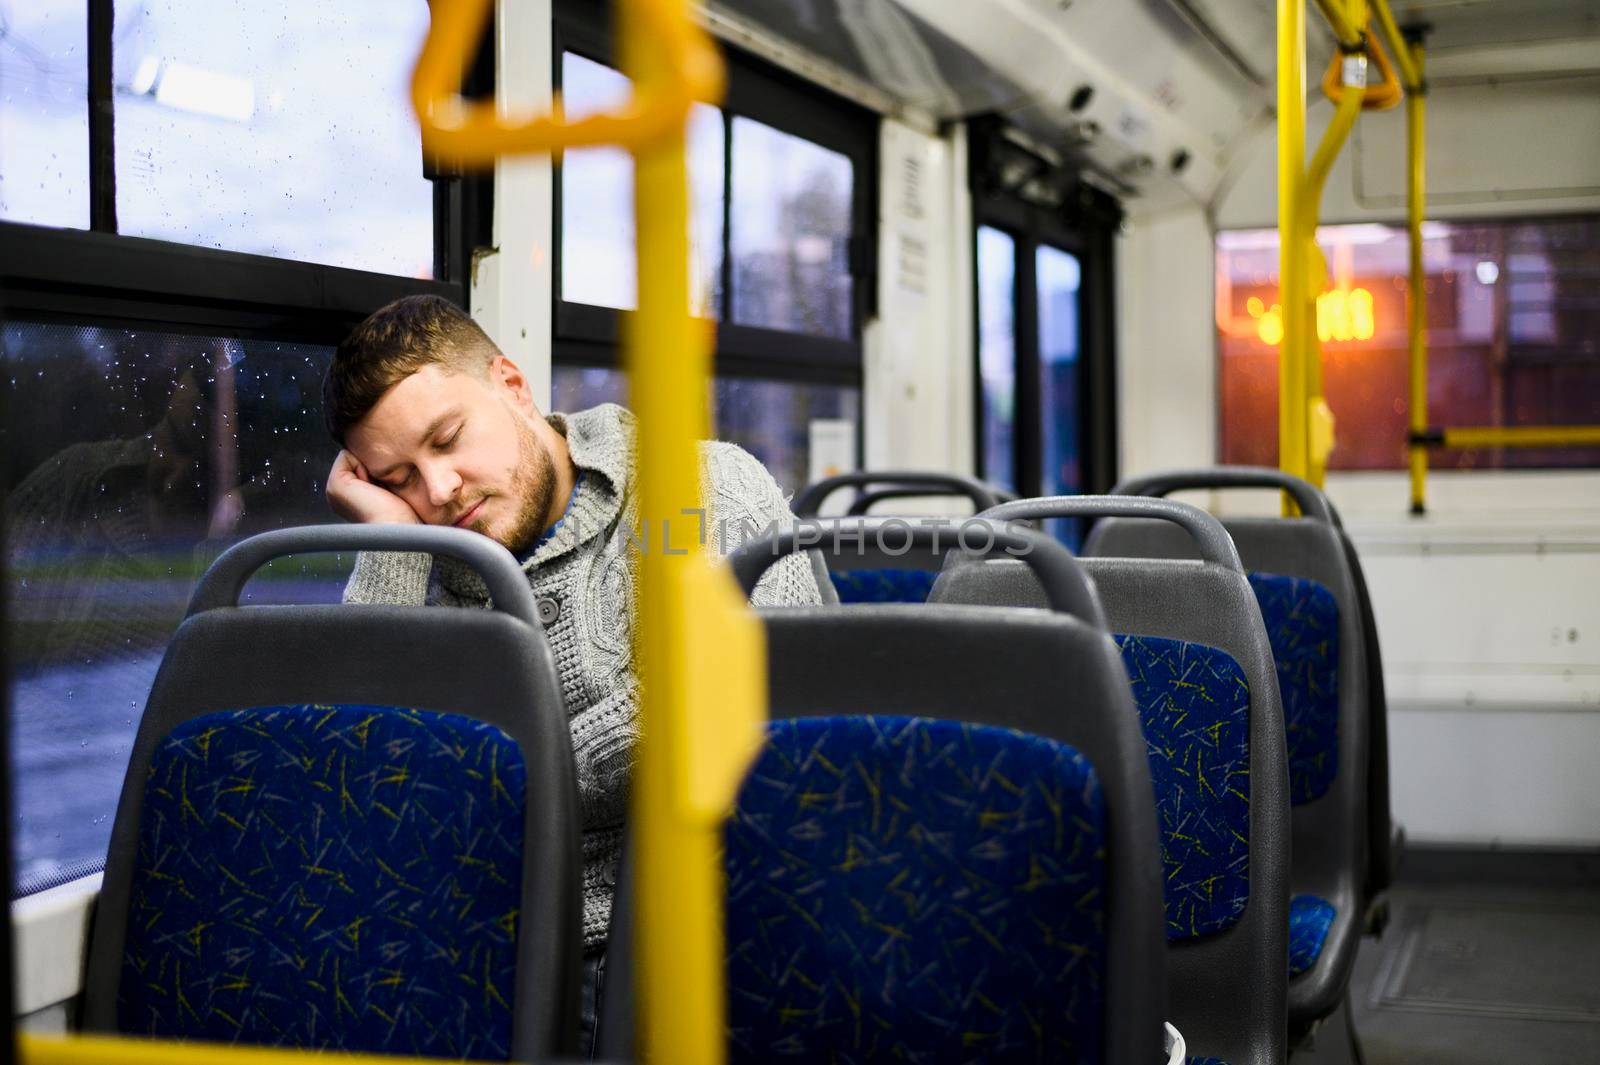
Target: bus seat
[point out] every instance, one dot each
(872, 575)
(883, 584)
(348, 827)
(938, 855)
(1306, 590)
(1203, 679)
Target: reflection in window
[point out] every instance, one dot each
(132, 460)
(597, 234)
(997, 354)
(770, 419)
(575, 388)
(282, 130)
(44, 112)
(1512, 328)
(1058, 278)
(790, 232)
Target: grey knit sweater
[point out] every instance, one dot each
(585, 574)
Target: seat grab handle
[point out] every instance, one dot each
(808, 502)
(1213, 540)
(1307, 496)
(222, 583)
(1066, 587)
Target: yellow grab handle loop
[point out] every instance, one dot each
(1385, 94)
(475, 132)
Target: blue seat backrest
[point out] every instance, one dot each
(883, 585)
(330, 877)
(1194, 704)
(1302, 620)
(911, 889)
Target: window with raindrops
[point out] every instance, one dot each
(132, 459)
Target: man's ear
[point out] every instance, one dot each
(503, 373)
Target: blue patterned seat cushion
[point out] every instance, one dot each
(1194, 704)
(330, 877)
(1310, 918)
(883, 585)
(1302, 620)
(902, 889)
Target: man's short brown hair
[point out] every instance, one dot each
(393, 343)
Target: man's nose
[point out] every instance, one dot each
(441, 482)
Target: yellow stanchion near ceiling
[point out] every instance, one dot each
(701, 650)
(1305, 421)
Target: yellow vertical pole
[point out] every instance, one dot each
(1292, 288)
(1417, 318)
(701, 653)
(1319, 431)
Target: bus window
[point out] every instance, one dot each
(133, 459)
(1512, 323)
(769, 418)
(791, 232)
(781, 188)
(1057, 276)
(597, 238)
(997, 355)
(256, 129)
(1058, 280)
(772, 420)
(44, 126)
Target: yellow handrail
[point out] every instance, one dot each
(702, 656)
(1305, 422)
(1292, 281)
(1347, 29)
(702, 660)
(1319, 416)
(1417, 307)
(1383, 96)
(1522, 436)
(1410, 67)
(471, 132)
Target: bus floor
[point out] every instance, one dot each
(1489, 957)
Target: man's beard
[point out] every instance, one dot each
(533, 483)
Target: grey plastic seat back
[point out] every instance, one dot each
(1227, 985)
(1329, 832)
(471, 669)
(987, 666)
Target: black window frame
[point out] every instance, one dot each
(101, 277)
(589, 336)
(1084, 222)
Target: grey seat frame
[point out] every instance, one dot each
(491, 665)
(1227, 991)
(1329, 834)
(988, 666)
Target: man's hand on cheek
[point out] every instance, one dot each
(355, 497)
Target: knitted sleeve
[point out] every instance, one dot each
(741, 500)
(389, 577)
